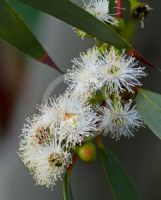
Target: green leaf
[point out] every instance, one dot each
(79, 18)
(67, 192)
(119, 182)
(149, 107)
(29, 15)
(15, 32)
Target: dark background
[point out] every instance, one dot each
(23, 83)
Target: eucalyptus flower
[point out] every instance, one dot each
(51, 162)
(100, 9)
(118, 71)
(77, 119)
(82, 78)
(94, 70)
(120, 120)
(43, 150)
(35, 134)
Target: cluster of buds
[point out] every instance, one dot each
(64, 124)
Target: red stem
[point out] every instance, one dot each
(118, 8)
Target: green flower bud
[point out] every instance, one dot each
(87, 152)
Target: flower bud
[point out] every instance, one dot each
(87, 152)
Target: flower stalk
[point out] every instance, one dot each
(67, 192)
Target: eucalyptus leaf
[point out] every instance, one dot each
(67, 192)
(149, 107)
(15, 32)
(76, 16)
(30, 16)
(118, 179)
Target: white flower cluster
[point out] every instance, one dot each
(64, 122)
(95, 69)
(113, 73)
(47, 138)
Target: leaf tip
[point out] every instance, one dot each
(48, 61)
(133, 52)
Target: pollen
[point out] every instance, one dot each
(55, 159)
(42, 135)
(113, 70)
(68, 116)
